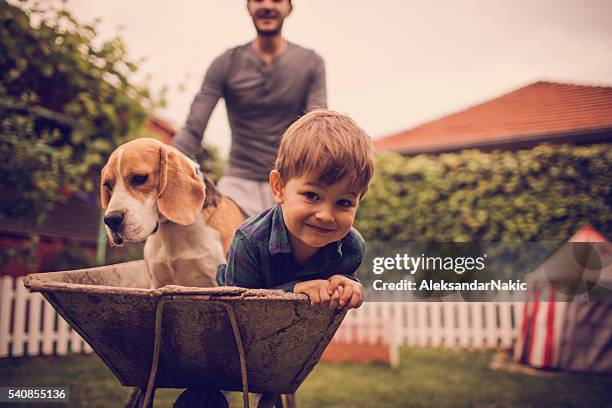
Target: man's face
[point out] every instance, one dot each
(268, 15)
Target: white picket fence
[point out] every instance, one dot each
(29, 326)
(434, 324)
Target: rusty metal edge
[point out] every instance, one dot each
(314, 358)
(39, 282)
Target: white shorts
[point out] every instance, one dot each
(251, 196)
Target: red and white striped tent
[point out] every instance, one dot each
(570, 332)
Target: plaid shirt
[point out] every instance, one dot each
(260, 256)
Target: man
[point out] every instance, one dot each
(267, 84)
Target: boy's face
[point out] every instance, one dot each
(315, 214)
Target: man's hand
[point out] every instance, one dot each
(318, 292)
(351, 292)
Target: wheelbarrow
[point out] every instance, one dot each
(225, 338)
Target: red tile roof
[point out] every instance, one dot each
(162, 128)
(538, 111)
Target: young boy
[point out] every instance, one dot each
(306, 243)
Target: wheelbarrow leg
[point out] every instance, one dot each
(290, 401)
(136, 399)
(132, 399)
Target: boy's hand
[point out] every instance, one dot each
(351, 292)
(318, 292)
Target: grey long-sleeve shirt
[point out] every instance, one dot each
(262, 101)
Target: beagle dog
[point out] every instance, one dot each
(152, 191)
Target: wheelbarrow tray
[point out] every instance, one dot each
(112, 308)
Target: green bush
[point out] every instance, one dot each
(543, 194)
(66, 101)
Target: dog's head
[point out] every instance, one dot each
(146, 182)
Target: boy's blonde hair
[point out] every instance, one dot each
(330, 146)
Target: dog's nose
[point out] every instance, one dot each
(114, 220)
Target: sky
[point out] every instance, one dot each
(391, 64)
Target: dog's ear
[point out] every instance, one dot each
(105, 195)
(181, 192)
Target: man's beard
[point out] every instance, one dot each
(271, 32)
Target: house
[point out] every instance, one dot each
(161, 129)
(542, 112)
(76, 220)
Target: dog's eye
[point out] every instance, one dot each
(108, 186)
(139, 179)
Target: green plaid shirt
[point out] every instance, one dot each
(260, 256)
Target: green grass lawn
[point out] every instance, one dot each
(426, 378)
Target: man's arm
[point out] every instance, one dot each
(317, 92)
(189, 139)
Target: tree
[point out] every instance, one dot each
(65, 104)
